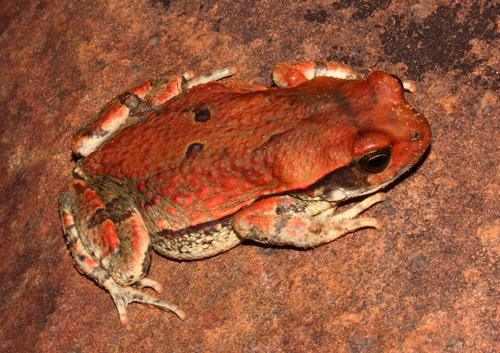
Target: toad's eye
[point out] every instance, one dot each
(375, 161)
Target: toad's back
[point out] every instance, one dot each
(218, 127)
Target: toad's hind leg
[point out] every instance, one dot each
(110, 245)
(286, 220)
(293, 74)
(135, 104)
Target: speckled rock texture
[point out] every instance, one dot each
(427, 282)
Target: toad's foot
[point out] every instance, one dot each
(293, 74)
(192, 80)
(358, 208)
(285, 220)
(122, 296)
(110, 245)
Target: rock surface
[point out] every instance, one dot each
(428, 282)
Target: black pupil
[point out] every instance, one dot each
(375, 161)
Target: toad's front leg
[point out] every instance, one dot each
(110, 244)
(286, 220)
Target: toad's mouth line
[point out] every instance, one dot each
(342, 193)
(352, 193)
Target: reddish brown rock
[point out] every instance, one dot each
(426, 283)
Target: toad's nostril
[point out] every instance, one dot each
(416, 136)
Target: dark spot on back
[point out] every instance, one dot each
(194, 149)
(202, 115)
